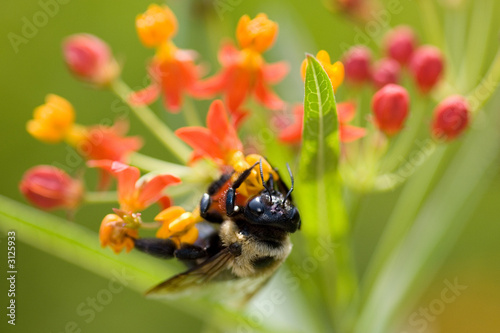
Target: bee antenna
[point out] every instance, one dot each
(262, 178)
(291, 178)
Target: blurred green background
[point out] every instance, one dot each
(50, 290)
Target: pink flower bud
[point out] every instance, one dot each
(390, 108)
(357, 64)
(451, 118)
(426, 67)
(89, 59)
(48, 187)
(400, 43)
(386, 71)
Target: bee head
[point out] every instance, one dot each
(273, 207)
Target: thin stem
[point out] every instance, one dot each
(162, 132)
(476, 50)
(100, 197)
(190, 113)
(432, 26)
(487, 87)
(406, 139)
(148, 163)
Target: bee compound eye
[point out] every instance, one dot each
(256, 206)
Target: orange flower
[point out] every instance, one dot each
(135, 195)
(335, 71)
(346, 111)
(115, 233)
(218, 141)
(156, 25)
(244, 71)
(53, 120)
(258, 34)
(173, 71)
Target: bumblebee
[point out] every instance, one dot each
(249, 242)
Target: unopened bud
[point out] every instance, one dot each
(390, 108)
(451, 118)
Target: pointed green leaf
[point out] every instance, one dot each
(320, 192)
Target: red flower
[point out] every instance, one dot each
(357, 64)
(219, 141)
(48, 187)
(400, 43)
(386, 71)
(90, 59)
(426, 67)
(135, 195)
(345, 112)
(173, 73)
(390, 108)
(451, 118)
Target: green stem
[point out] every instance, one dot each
(487, 87)
(406, 139)
(432, 26)
(162, 132)
(149, 164)
(100, 197)
(476, 49)
(190, 113)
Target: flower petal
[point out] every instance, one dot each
(151, 190)
(274, 73)
(346, 111)
(127, 176)
(145, 96)
(350, 133)
(220, 127)
(201, 139)
(266, 96)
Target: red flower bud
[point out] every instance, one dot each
(48, 187)
(357, 64)
(426, 66)
(390, 108)
(89, 58)
(386, 71)
(400, 44)
(451, 118)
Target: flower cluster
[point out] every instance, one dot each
(208, 152)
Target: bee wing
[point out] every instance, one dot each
(197, 276)
(241, 291)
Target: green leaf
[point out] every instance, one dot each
(321, 203)
(319, 191)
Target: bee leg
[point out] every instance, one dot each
(157, 247)
(231, 193)
(190, 252)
